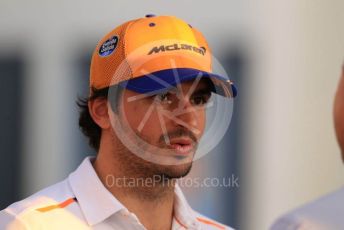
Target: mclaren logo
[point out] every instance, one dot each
(163, 48)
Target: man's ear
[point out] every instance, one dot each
(99, 112)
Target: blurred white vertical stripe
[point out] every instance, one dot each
(290, 153)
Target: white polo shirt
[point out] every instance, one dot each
(82, 202)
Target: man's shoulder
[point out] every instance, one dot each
(50, 196)
(47, 196)
(210, 224)
(319, 214)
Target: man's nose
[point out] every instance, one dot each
(186, 114)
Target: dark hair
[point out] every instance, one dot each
(86, 123)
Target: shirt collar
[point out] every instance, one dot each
(182, 210)
(95, 201)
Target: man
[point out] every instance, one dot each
(326, 212)
(150, 83)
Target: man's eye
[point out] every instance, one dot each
(164, 98)
(200, 100)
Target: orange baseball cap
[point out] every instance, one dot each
(154, 53)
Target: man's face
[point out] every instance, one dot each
(170, 124)
(339, 114)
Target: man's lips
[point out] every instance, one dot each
(182, 146)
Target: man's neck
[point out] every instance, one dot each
(151, 202)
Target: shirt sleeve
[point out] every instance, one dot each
(10, 221)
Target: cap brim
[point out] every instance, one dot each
(169, 78)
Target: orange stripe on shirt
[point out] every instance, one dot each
(210, 223)
(180, 223)
(60, 205)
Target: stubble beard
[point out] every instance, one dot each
(131, 165)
